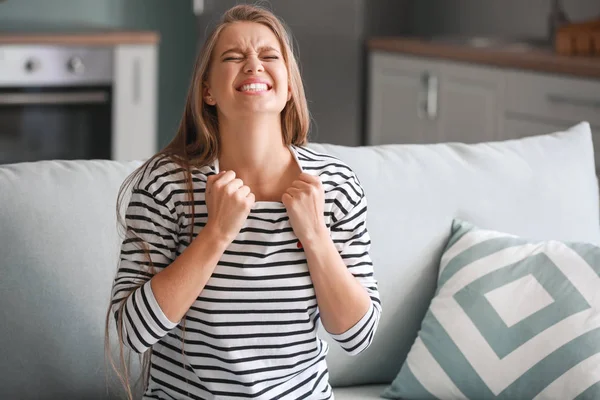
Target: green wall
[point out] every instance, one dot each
(173, 19)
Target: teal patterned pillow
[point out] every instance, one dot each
(511, 319)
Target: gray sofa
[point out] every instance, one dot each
(59, 248)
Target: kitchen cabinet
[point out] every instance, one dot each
(134, 102)
(426, 100)
(415, 100)
(399, 110)
(470, 104)
(552, 97)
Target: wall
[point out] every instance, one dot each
(60, 11)
(172, 19)
(526, 18)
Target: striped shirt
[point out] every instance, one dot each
(252, 331)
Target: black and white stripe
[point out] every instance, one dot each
(252, 331)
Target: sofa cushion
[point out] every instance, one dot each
(542, 187)
(367, 392)
(511, 318)
(58, 255)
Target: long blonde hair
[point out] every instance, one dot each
(196, 144)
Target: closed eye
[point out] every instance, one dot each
(232, 59)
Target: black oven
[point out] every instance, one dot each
(55, 103)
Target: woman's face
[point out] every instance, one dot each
(248, 74)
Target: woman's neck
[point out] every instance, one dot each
(254, 150)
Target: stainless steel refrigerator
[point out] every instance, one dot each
(330, 38)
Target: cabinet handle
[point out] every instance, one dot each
(429, 102)
(573, 101)
(137, 84)
(54, 98)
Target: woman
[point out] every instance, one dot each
(240, 239)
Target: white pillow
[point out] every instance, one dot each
(511, 319)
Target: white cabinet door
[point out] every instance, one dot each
(134, 102)
(414, 100)
(397, 111)
(470, 104)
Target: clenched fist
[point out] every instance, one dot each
(305, 203)
(229, 202)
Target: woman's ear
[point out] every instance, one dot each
(208, 99)
(289, 93)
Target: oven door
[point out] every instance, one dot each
(55, 123)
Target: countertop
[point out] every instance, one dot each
(20, 33)
(534, 58)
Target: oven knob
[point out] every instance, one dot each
(75, 65)
(32, 65)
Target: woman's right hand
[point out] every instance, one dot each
(229, 202)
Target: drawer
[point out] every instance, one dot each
(551, 96)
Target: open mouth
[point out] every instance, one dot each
(254, 87)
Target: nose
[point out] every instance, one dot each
(253, 65)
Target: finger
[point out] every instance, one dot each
(311, 179)
(302, 185)
(286, 198)
(213, 177)
(224, 179)
(243, 192)
(210, 180)
(294, 192)
(234, 185)
(250, 199)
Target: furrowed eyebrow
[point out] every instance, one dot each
(234, 50)
(268, 48)
(260, 49)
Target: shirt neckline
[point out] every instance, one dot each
(263, 203)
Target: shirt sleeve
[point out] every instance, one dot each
(351, 237)
(151, 225)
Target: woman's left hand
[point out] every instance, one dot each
(305, 203)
